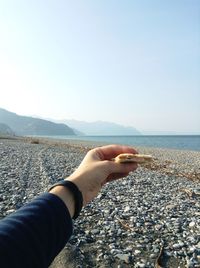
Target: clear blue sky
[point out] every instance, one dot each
(133, 62)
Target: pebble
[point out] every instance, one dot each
(176, 246)
(123, 257)
(140, 265)
(132, 217)
(127, 208)
(192, 224)
(137, 252)
(10, 211)
(95, 231)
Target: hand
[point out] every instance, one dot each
(97, 168)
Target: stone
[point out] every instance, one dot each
(170, 206)
(181, 244)
(153, 256)
(192, 224)
(192, 249)
(176, 246)
(95, 231)
(123, 257)
(127, 208)
(10, 211)
(140, 265)
(137, 252)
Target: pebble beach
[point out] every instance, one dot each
(149, 219)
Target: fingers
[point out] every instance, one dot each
(110, 151)
(112, 167)
(122, 168)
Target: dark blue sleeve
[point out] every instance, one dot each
(35, 234)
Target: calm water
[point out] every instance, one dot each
(176, 142)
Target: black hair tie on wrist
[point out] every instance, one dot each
(76, 193)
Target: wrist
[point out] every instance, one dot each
(77, 181)
(71, 196)
(67, 197)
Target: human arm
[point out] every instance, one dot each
(35, 234)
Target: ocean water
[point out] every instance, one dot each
(182, 142)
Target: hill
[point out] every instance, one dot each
(101, 128)
(6, 130)
(25, 125)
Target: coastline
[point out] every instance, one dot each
(179, 142)
(149, 217)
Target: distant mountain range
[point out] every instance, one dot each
(14, 124)
(11, 123)
(100, 128)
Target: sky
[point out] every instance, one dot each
(132, 62)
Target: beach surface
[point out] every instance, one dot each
(149, 219)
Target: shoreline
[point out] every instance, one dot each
(181, 142)
(92, 144)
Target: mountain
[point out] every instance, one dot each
(6, 130)
(100, 128)
(78, 133)
(25, 125)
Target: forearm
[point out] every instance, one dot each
(35, 234)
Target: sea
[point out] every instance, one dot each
(181, 142)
